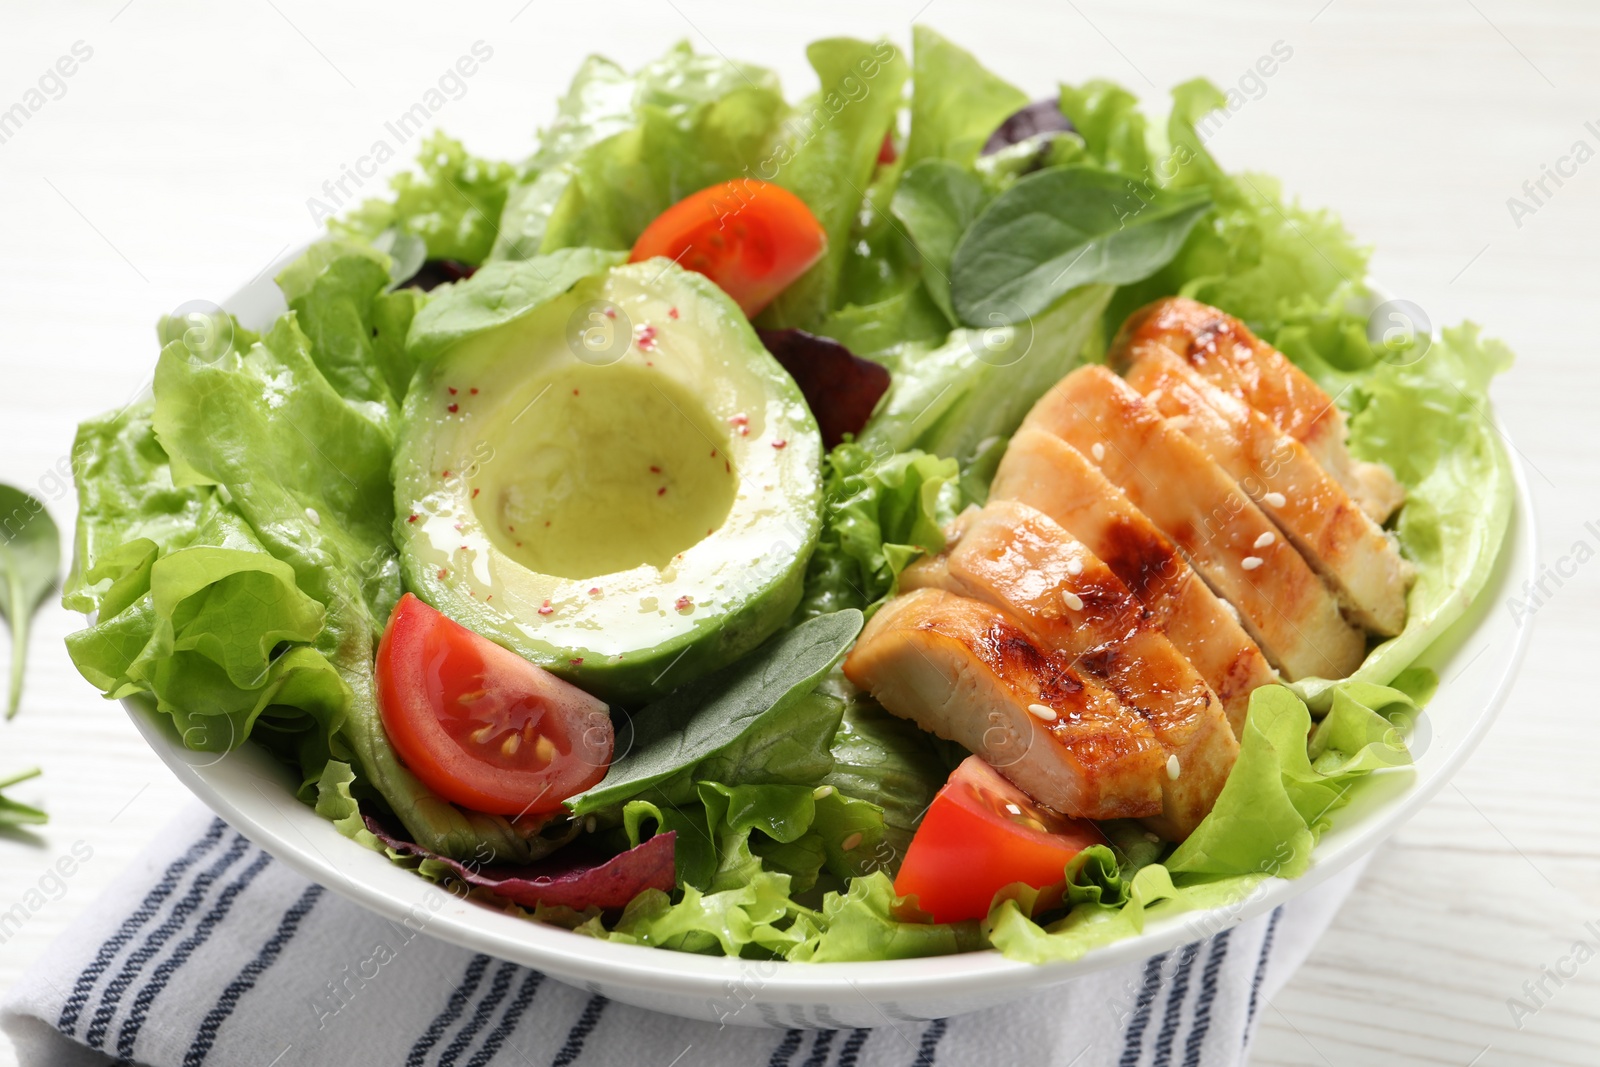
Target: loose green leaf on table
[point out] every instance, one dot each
(1061, 228)
(30, 558)
(14, 813)
(700, 720)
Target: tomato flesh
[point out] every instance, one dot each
(752, 238)
(480, 725)
(980, 834)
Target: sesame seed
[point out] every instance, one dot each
(1042, 711)
(1154, 839)
(850, 842)
(1252, 562)
(1072, 600)
(311, 513)
(1097, 450)
(1231, 610)
(1172, 768)
(590, 823)
(1013, 809)
(1276, 500)
(1266, 539)
(1075, 567)
(822, 792)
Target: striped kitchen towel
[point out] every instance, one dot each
(208, 952)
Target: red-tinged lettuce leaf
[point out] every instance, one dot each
(1041, 116)
(841, 388)
(570, 879)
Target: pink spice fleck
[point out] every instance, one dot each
(611, 313)
(647, 337)
(443, 572)
(545, 608)
(595, 591)
(662, 491)
(779, 444)
(672, 313)
(684, 604)
(453, 408)
(474, 392)
(452, 390)
(475, 494)
(413, 518)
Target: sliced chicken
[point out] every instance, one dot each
(1067, 600)
(1223, 349)
(1341, 542)
(1283, 605)
(1044, 472)
(967, 672)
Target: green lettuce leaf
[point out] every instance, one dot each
(1429, 421)
(880, 512)
(624, 148)
(955, 102)
(827, 158)
(963, 399)
(453, 205)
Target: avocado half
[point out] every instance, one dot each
(621, 484)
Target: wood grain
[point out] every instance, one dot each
(179, 163)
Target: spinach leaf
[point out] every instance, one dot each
(30, 557)
(1061, 228)
(709, 717)
(936, 202)
(14, 813)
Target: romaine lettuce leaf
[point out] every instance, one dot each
(827, 157)
(955, 102)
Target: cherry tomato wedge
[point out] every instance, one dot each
(886, 152)
(980, 834)
(752, 238)
(480, 725)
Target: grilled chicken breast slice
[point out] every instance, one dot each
(1065, 598)
(1223, 349)
(1283, 605)
(967, 672)
(1043, 471)
(1341, 542)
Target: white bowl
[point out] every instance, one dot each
(1476, 660)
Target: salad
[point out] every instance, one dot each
(905, 521)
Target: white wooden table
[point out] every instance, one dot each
(178, 159)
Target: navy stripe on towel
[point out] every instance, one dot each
(1175, 998)
(1208, 994)
(786, 1048)
(68, 1021)
(1133, 1042)
(180, 955)
(111, 996)
(206, 1036)
(820, 1049)
(930, 1042)
(452, 1011)
(1261, 972)
(573, 1047)
(499, 986)
(508, 1022)
(851, 1052)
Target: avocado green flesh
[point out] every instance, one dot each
(613, 468)
(629, 524)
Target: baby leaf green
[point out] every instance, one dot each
(706, 717)
(1060, 228)
(30, 558)
(14, 813)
